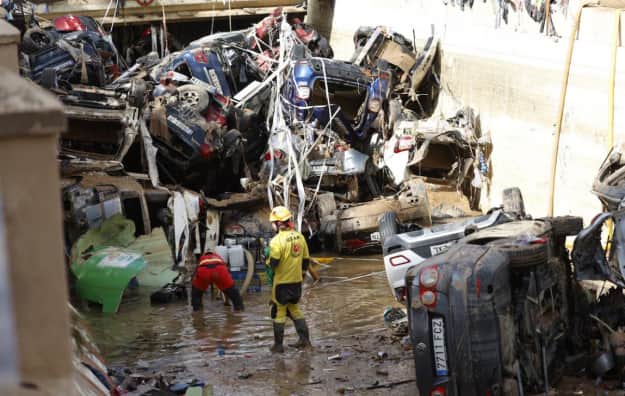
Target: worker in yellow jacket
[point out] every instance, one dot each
(289, 259)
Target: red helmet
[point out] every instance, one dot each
(68, 23)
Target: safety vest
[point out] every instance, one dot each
(290, 248)
(210, 260)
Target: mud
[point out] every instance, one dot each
(345, 318)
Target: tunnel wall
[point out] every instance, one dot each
(513, 76)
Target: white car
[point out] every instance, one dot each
(403, 251)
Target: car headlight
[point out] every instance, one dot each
(303, 92)
(374, 105)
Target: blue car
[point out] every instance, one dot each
(218, 71)
(357, 95)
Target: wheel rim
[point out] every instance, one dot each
(40, 39)
(190, 99)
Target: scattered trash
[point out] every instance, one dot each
(406, 342)
(311, 383)
(392, 314)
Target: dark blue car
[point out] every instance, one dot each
(218, 71)
(356, 96)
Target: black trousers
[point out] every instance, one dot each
(232, 293)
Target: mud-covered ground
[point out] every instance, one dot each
(316, 372)
(171, 344)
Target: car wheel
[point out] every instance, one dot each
(522, 256)
(193, 97)
(566, 225)
(35, 39)
(513, 201)
(388, 226)
(49, 79)
(136, 94)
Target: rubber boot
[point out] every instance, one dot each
(278, 338)
(302, 332)
(234, 296)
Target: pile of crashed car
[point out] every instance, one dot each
(497, 305)
(187, 151)
(199, 142)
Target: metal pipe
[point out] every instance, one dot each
(565, 84)
(615, 44)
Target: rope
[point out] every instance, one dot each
(106, 13)
(230, 14)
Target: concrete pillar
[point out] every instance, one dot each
(321, 15)
(9, 38)
(31, 120)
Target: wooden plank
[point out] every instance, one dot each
(186, 16)
(98, 8)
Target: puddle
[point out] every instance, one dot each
(171, 336)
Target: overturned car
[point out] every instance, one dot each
(504, 311)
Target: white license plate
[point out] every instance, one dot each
(438, 342)
(438, 249)
(375, 236)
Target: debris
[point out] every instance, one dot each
(108, 259)
(392, 314)
(311, 383)
(244, 375)
(389, 385)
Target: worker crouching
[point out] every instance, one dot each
(289, 259)
(212, 270)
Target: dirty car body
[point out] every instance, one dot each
(102, 124)
(491, 311)
(355, 97)
(404, 251)
(592, 260)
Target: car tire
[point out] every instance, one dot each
(36, 39)
(49, 79)
(193, 97)
(136, 93)
(388, 226)
(566, 225)
(513, 201)
(522, 256)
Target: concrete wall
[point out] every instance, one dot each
(512, 76)
(31, 119)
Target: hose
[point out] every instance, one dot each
(250, 271)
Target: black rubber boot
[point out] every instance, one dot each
(234, 296)
(278, 338)
(302, 332)
(196, 298)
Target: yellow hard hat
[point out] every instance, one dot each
(279, 213)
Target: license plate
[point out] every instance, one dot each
(438, 249)
(438, 342)
(375, 236)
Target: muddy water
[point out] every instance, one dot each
(171, 337)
